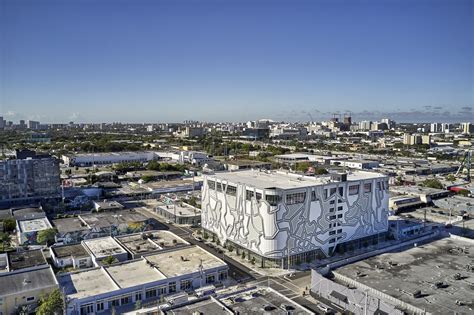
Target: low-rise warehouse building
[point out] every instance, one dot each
(432, 278)
(101, 248)
(74, 255)
(140, 244)
(24, 288)
(27, 230)
(120, 286)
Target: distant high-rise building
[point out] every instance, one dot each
(365, 125)
(2, 123)
(28, 180)
(390, 123)
(33, 125)
(467, 128)
(435, 127)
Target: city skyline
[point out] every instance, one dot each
(162, 61)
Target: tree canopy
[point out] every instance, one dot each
(51, 304)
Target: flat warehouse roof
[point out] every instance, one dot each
(283, 180)
(30, 280)
(104, 246)
(184, 261)
(134, 273)
(87, 283)
(34, 225)
(430, 268)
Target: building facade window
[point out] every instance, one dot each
(231, 190)
(341, 191)
(332, 192)
(273, 200)
(249, 194)
(172, 287)
(210, 278)
(313, 195)
(295, 198)
(124, 300)
(212, 184)
(368, 187)
(161, 290)
(222, 275)
(138, 296)
(100, 306)
(87, 309)
(150, 293)
(353, 190)
(339, 216)
(185, 284)
(340, 208)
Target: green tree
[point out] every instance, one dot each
(52, 303)
(6, 240)
(432, 183)
(451, 178)
(46, 237)
(9, 224)
(109, 260)
(147, 178)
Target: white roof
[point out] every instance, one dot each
(283, 180)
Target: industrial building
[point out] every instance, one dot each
(27, 230)
(24, 288)
(28, 180)
(431, 278)
(120, 286)
(280, 218)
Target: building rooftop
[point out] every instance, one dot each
(151, 241)
(28, 213)
(28, 280)
(262, 300)
(284, 180)
(34, 225)
(207, 306)
(133, 273)
(26, 259)
(67, 225)
(85, 283)
(113, 218)
(184, 261)
(181, 210)
(103, 247)
(246, 162)
(76, 250)
(108, 205)
(421, 268)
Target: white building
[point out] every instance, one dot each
(89, 159)
(118, 287)
(73, 255)
(273, 215)
(356, 164)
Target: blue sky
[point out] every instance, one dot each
(153, 61)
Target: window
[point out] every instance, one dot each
(332, 240)
(222, 275)
(185, 284)
(125, 300)
(172, 287)
(379, 186)
(210, 278)
(331, 209)
(341, 191)
(339, 231)
(353, 190)
(339, 216)
(332, 232)
(150, 293)
(273, 200)
(295, 198)
(258, 196)
(87, 309)
(249, 195)
(212, 184)
(339, 208)
(231, 190)
(332, 202)
(332, 191)
(313, 196)
(30, 298)
(326, 194)
(138, 296)
(219, 187)
(161, 290)
(100, 306)
(333, 217)
(367, 187)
